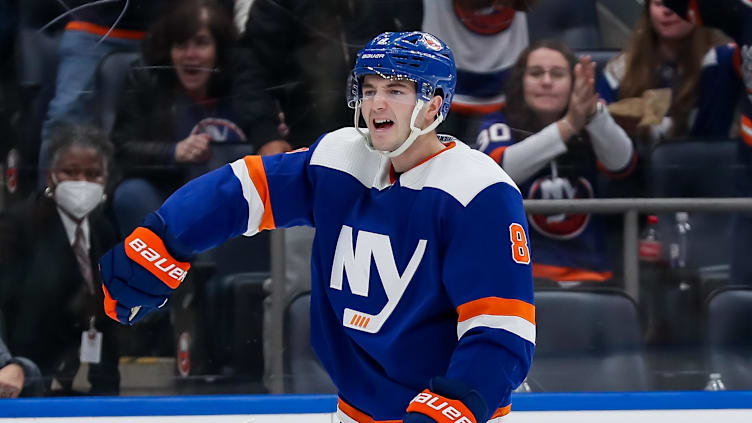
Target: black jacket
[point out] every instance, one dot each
(43, 295)
(302, 52)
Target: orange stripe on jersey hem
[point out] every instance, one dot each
(148, 250)
(746, 130)
(258, 175)
(127, 34)
(502, 411)
(568, 274)
(358, 415)
(476, 109)
(497, 154)
(498, 307)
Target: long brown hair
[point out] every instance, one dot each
(519, 115)
(183, 23)
(643, 59)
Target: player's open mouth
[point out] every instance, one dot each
(382, 123)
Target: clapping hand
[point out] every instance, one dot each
(584, 99)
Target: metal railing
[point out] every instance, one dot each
(629, 207)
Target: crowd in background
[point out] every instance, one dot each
(106, 109)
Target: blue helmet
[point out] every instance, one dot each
(416, 56)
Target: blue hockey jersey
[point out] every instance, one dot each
(567, 247)
(734, 17)
(717, 96)
(414, 276)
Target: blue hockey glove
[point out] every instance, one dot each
(447, 401)
(138, 276)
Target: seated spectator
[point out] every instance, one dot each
(668, 52)
(18, 375)
(49, 246)
(174, 107)
(292, 90)
(734, 17)
(96, 29)
(486, 37)
(552, 139)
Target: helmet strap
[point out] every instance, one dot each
(415, 132)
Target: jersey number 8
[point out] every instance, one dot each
(520, 250)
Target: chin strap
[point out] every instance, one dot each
(415, 132)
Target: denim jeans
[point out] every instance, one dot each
(75, 98)
(133, 200)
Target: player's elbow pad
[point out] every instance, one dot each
(138, 275)
(447, 401)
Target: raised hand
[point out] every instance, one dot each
(193, 149)
(584, 99)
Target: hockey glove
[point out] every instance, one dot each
(448, 401)
(138, 276)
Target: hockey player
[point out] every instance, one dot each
(439, 326)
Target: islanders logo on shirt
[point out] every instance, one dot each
(220, 130)
(484, 20)
(562, 225)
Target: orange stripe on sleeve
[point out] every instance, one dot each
(693, 13)
(746, 130)
(736, 59)
(109, 304)
(258, 176)
(497, 154)
(620, 174)
(498, 307)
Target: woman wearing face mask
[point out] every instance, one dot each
(177, 103)
(552, 140)
(50, 291)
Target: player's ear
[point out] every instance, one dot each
(433, 108)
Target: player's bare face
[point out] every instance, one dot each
(668, 24)
(387, 107)
(547, 82)
(194, 59)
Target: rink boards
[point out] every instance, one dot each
(645, 407)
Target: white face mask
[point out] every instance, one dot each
(78, 198)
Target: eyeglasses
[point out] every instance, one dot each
(538, 72)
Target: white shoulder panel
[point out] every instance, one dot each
(460, 172)
(710, 58)
(345, 150)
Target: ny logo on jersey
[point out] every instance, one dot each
(557, 189)
(357, 265)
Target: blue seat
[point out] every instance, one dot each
(729, 334)
(110, 81)
(587, 341)
(574, 22)
(303, 372)
(697, 169)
